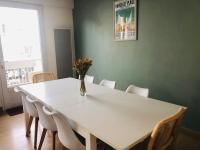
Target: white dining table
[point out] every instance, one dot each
(120, 119)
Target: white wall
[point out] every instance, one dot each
(55, 18)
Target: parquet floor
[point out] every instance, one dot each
(12, 135)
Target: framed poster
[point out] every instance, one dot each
(125, 14)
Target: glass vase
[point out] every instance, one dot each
(82, 86)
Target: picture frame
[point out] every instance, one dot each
(125, 20)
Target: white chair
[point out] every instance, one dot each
(89, 79)
(30, 108)
(46, 121)
(138, 90)
(32, 111)
(65, 133)
(107, 83)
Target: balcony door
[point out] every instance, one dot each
(20, 51)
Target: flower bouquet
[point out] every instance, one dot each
(81, 66)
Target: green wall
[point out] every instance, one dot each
(165, 58)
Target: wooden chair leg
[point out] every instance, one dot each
(42, 138)
(63, 147)
(36, 132)
(54, 139)
(29, 126)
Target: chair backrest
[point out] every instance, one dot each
(107, 83)
(164, 132)
(138, 90)
(65, 132)
(30, 107)
(46, 120)
(43, 76)
(17, 90)
(89, 79)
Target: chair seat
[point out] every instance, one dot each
(46, 121)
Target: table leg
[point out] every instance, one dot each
(91, 142)
(26, 115)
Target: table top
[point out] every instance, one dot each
(118, 118)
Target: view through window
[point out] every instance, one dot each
(20, 38)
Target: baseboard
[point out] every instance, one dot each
(190, 132)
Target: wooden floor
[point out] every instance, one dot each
(12, 136)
